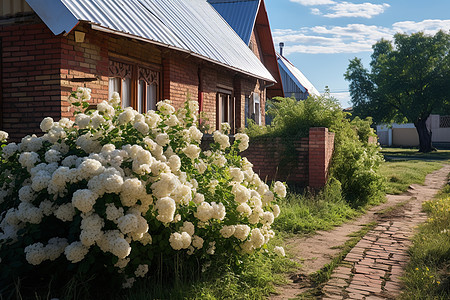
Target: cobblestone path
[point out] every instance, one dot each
(372, 269)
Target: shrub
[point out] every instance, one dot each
(355, 162)
(117, 194)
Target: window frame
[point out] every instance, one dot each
(229, 107)
(135, 72)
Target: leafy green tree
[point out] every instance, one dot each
(408, 80)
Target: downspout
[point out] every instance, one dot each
(200, 91)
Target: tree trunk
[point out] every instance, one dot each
(424, 135)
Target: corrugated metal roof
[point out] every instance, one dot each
(191, 26)
(303, 83)
(240, 14)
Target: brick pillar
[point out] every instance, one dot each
(321, 144)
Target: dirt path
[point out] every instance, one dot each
(388, 238)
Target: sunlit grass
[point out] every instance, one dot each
(428, 273)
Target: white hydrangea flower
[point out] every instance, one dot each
(192, 151)
(82, 120)
(126, 116)
(279, 251)
(9, 150)
(244, 209)
(141, 270)
(84, 200)
(29, 159)
(236, 174)
(241, 231)
(219, 211)
(127, 223)
(162, 139)
(188, 227)
(204, 211)
(35, 253)
(174, 163)
(165, 107)
(3, 135)
(65, 212)
(195, 134)
(166, 209)
(115, 99)
(241, 193)
(276, 210)
(279, 189)
(113, 213)
(46, 124)
(106, 108)
(227, 231)
(222, 139)
(142, 127)
(197, 242)
(180, 241)
(243, 141)
(75, 252)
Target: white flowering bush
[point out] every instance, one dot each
(119, 192)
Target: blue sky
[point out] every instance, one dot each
(321, 36)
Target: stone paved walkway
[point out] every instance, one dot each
(372, 269)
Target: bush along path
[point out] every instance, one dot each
(373, 267)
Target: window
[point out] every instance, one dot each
(147, 90)
(225, 109)
(140, 91)
(444, 121)
(253, 108)
(120, 81)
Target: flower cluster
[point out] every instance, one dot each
(115, 179)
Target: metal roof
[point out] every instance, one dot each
(240, 14)
(297, 76)
(190, 26)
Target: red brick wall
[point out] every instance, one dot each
(321, 146)
(30, 78)
(306, 164)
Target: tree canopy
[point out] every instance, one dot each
(408, 80)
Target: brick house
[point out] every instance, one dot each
(146, 50)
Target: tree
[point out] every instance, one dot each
(408, 80)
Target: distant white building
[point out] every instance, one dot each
(406, 134)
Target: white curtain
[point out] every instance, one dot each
(126, 92)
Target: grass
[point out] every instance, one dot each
(427, 275)
(404, 167)
(306, 213)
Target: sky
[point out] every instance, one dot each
(321, 36)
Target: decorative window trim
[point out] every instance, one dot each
(131, 76)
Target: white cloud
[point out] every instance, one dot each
(316, 11)
(313, 2)
(345, 9)
(352, 38)
(427, 26)
(363, 10)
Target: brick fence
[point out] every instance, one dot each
(304, 162)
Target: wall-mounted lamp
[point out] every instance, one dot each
(79, 36)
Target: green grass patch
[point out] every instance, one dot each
(427, 275)
(306, 213)
(400, 174)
